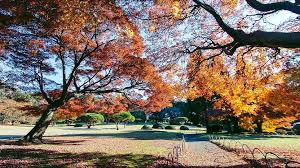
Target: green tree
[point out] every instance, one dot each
(124, 117)
(91, 118)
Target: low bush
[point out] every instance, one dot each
(170, 127)
(281, 131)
(179, 121)
(60, 122)
(146, 127)
(188, 123)
(199, 125)
(158, 126)
(215, 128)
(78, 125)
(21, 96)
(139, 120)
(184, 128)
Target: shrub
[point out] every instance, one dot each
(21, 96)
(188, 123)
(296, 129)
(184, 128)
(158, 126)
(60, 122)
(78, 125)
(199, 125)
(215, 128)
(146, 127)
(170, 127)
(69, 121)
(179, 121)
(2, 94)
(138, 120)
(173, 122)
(281, 131)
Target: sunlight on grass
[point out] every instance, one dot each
(283, 142)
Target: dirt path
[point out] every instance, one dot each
(204, 153)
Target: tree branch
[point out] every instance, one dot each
(276, 6)
(256, 38)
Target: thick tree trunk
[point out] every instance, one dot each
(37, 132)
(259, 126)
(233, 125)
(206, 122)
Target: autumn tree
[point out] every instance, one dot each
(91, 47)
(224, 26)
(219, 34)
(247, 90)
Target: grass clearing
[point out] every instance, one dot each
(284, 142)
(100, 146)
(284, 146)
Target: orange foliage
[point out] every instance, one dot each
(251, 90)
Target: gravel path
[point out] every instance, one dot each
(204, 153)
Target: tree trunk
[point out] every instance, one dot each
(259, 126)
(146, 118)
(37, 132)
(206, 122)
(117, 124)
(233, 125)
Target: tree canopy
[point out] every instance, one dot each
(105, 56)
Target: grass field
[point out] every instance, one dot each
(100, 146)
(104, 146)
(284, 146)
(283, 142)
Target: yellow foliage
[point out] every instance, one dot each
(246, 90)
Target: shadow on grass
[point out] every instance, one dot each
(136, 135)
(5, 137)
(47, 158)
(196, 137)
(45, 141)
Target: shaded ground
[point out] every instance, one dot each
(103, 146)
(49, 158)
(98, 147)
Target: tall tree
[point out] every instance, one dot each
(248, 89)
(68, 49)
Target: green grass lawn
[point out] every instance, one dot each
(283, 142)
(104, 146)
(100, 146)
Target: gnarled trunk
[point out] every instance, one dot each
(37, 132)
